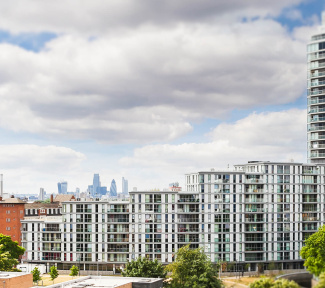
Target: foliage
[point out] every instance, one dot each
(143, 267)
(74, 271)
(270, 283)
(271, 266)
(7, 245)
(193, 269)
(36, 275)
(9, 253)
(53, 273)
(7, 262)
(314, 252)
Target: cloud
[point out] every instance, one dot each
(148, 84)
(26, 168)
(34, 157)
(273, 136)
(99, 16)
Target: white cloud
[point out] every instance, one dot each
(26, 168)
(273, 136)
(98, 16)
(148, 84)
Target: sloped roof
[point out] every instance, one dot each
(64, 197)
(37, 205)
(12, 201)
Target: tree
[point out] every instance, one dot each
(6, 262)
(74, 271)
(314, 252)
(7, 245)
(270, 283)
(36, 275)
(143, 267)
(193, 269)
(53, 273)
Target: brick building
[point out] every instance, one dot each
(11, 213)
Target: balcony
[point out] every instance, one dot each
(317, 92)
(188, 200)
(319, 74)
(254, 190)
(118, 240)
(118, 211)
(51, 239)
(117, 230)
(307, 218)
(316, 110)
(248, 181)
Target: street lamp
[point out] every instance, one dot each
(236, 268)
(97, 267)
(79, 256)
(220, 268)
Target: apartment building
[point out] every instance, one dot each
(92, 234)
(316, 95)
(11, 214)
(259, 212)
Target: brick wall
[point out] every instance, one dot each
(23, 281)
(10, 216)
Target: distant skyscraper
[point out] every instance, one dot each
(113, 190)
(63, 187)
(103, 190)
(96, 185)
(125, 186)
(41, 194)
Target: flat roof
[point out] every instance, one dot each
(110, 281)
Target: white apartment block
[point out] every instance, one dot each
(260, 212)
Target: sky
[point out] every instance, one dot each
(149, 90)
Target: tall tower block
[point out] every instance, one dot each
(316, 96)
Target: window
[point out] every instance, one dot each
(8, 220)
(7, 211)
(8, 228)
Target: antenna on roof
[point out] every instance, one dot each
(1, 185)
(323, 18)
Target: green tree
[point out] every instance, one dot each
(53, 273)
(74, 271)
(6, 262)
(36, 275)
(192, 269)
(270, 283)
(143, 267)
(314, 252)
(7, 245)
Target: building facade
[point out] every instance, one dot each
(316, 96)
(113, 189)
(63, 187)
(258, 213)
(11, 215)
(125, 186)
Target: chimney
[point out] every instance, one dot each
(51, 198)
(1, 185)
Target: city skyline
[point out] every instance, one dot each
(153, 92)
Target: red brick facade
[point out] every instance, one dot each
(11, 212)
